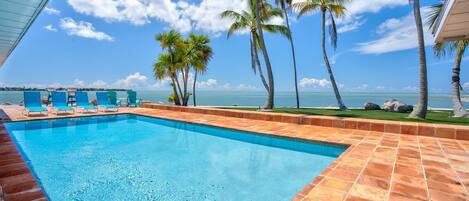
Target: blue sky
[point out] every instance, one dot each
(108, 43)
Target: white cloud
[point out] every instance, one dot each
(82, 29)
(180, 15)
(135, 80)
(78, 83)
(355, 24)
(410, 88)
(355, 10)
(465, 86)
(50, 28)
(99, 84)
(210, 83)
(315, 83)
(361, 87)
(51, 11)
(396, 34)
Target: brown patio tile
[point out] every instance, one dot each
(323, 193)
(409, 191)
(392, 128)
(374, 182)
(426, 130)
(462, 134)
(445, 132)
(368, 192)
(344, 175)
(441, 196)
(410, 129)
(377, 126)
(446, 187)
(393, 196)
(33, 194)
(354, 198)
(363, 125)
(337, 184)
(378, 170)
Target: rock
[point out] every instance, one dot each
(403, 108)
(394, 105)
(371, 106)
(389, 105)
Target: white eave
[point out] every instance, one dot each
(16, 16)
(454, 21)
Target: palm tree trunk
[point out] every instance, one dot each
(421, 109)
(458, 108)
(340, 103)
(193, 88)
(270, 99)
(294, 57)
(258, 63)
(180, 95)
(175, 92)
(185, 80)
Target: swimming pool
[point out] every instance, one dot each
(133, 157)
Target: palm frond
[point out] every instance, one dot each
(306, 7)
(281, 29)
(333, 31)
(434, 14)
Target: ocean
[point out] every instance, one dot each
(282, 99)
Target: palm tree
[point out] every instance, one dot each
(168, 41)
(441, 49)
(283, 5)
(420, 110)
(181, 56)
(335, 8)
(256, 25)
(164, 69)
(201, 55)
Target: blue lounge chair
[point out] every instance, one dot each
(112, 95)
(33, 103)
(83, 102)
(104, 103)
(59, 103)
(132, 99)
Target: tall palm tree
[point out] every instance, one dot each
(201, 55)
(420, 111)
(335, 8)
(441, 49)
(249, 20)
(284, 4)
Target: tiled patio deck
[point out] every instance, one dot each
(376, 166)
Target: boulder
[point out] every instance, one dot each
(403, 108)
(389, 105)
(372, 106)
(394, 105)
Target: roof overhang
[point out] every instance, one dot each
(16, 16)
(454, 21)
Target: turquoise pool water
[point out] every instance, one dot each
(132, 157)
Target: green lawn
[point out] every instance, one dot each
(441, 117)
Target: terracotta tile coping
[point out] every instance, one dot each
(459, 132)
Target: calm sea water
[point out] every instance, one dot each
(282, 99)
(129, 157)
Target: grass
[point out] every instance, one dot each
(434, 116)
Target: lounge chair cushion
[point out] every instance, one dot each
(87, 106)
(63, 108)
(36, 109)
(109, 106)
